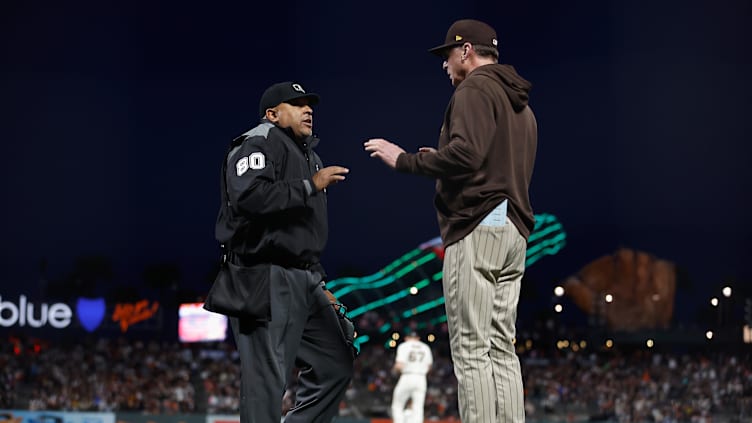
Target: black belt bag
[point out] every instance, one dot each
(241, 291)
(252, 260)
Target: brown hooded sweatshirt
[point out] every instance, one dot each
(486, 153)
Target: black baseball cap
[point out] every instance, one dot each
(467, 31)
(282, 92)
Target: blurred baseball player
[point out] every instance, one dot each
(414, 359)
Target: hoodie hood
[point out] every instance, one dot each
(516, 87)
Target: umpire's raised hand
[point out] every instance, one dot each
(329, 175)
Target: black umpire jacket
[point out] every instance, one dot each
(271, 211)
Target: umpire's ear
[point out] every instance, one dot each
(272, 115)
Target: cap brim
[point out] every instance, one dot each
(440, 49)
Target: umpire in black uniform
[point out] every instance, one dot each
(273, 222)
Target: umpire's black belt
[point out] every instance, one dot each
(253, 260)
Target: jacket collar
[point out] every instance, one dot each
(306, 143)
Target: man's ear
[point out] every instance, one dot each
(272, 115)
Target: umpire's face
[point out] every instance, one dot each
(296, 114)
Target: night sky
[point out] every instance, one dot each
(115, 120)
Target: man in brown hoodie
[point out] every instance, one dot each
(483, 167)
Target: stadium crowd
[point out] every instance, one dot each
(169, 377)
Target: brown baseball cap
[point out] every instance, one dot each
(467, 31)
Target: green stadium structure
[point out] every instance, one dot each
(409, 288)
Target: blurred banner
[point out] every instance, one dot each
(159, 418)
(222, 418)
(24, 416)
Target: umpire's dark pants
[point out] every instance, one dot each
(304, 332)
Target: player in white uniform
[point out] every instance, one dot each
(414, 359)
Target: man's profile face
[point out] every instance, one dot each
(453, 64)
(296, 114)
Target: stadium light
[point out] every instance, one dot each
(726, 291)
(714, 302)
(609, 298)
(413, 290)
(559, 291)
(650, 343)
(558, 308)
(709, 334)
(431, 337)
(609, 343)
(395, 336)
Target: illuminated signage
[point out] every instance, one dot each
(24, 313)
(128, 314)
(91, 314)
(196, 324)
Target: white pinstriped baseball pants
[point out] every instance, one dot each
(482, 277)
